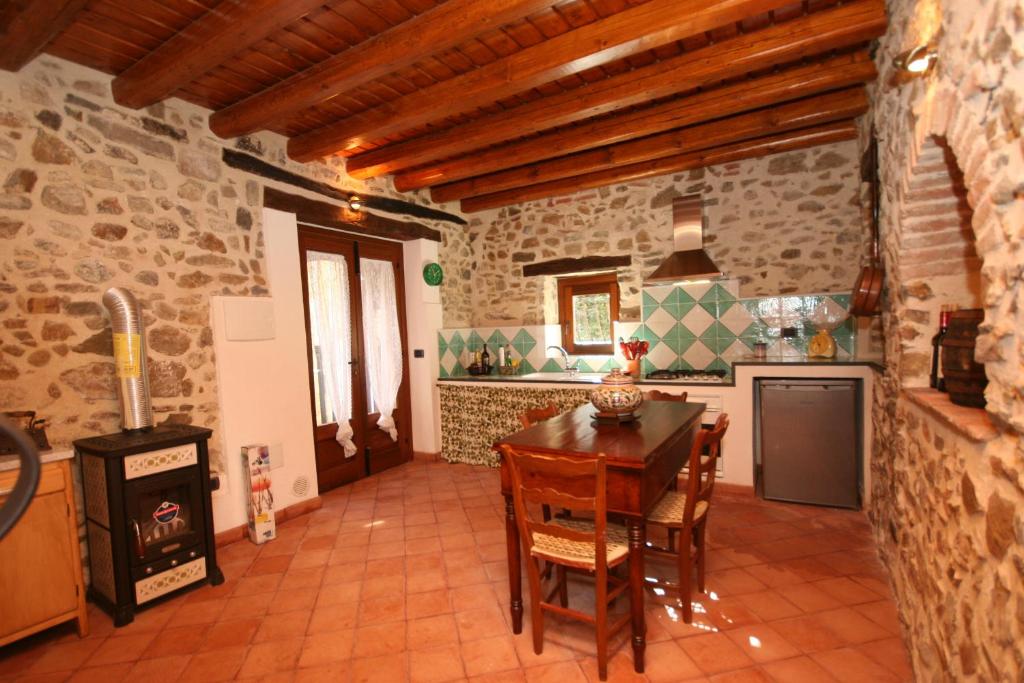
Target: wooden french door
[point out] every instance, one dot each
(375, 450)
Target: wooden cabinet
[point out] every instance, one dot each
(40, 564)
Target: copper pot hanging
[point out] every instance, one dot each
(867, 291)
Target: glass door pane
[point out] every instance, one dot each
(330, 334)
(382, 337)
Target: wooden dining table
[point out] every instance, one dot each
(643, 459)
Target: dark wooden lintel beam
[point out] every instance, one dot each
(250, 164)
(564, 266)
(333, 216)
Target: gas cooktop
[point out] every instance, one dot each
(684, 376)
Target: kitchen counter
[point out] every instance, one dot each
(873, 361)
(10, 462)
(729, 381)
(566, 378)
(476, 411)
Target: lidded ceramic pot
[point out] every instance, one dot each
(617, 396)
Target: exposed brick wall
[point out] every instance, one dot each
(936, 235)
(936, 262)
(948, 509)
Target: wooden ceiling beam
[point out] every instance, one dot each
(773, 144)
(639, 28)
(434, 31)
(841, 27)
(27, 26)
(784, 86)
(836, 106)
(224, 31)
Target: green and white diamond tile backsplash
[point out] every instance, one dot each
(706, 326)
(701, 326)
(456, 347)
(529, 344)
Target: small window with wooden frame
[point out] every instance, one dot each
(588, 305)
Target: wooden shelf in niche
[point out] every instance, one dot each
(972, 423)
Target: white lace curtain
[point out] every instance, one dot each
(330, 325)
(382, 338)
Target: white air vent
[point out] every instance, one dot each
(300, 487)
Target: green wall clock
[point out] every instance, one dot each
(432, 274)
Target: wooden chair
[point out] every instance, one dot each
(686, 513)
(592, 546)
(655, 395)
(534, 415)
(531, 417)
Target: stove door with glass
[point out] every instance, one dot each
(163, 511)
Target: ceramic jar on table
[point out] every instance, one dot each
(617, 397)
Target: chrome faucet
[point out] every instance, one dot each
(571, 369)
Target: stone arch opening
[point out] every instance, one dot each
(939, 263)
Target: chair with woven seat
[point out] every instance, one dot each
(534, 415)
(531, 417)
(686, 512)
(655, 395)
(588, 545)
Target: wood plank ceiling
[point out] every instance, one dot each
(489, 102)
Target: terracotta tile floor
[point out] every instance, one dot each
(401, 577)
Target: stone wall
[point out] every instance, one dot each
(456, 258)
(949, 510)
(788, 223)
(95, 195)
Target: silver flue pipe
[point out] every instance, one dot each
(130, 359)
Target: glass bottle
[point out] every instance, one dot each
(935, 381)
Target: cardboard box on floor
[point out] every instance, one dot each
(256, 460)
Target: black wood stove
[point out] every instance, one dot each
(149, 519)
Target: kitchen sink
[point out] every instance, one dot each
(593, 377)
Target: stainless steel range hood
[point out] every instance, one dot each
(689, 261)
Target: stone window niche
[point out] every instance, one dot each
(938, 266)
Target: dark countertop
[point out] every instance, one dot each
(582, 378)
(595, 377)
(874, 362)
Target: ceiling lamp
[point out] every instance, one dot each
(355, 203)
(917, 61)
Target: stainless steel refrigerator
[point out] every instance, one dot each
(808, 441)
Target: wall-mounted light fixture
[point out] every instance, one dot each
(355, 203)
(917, 61)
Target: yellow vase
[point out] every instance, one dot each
(822, 345)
